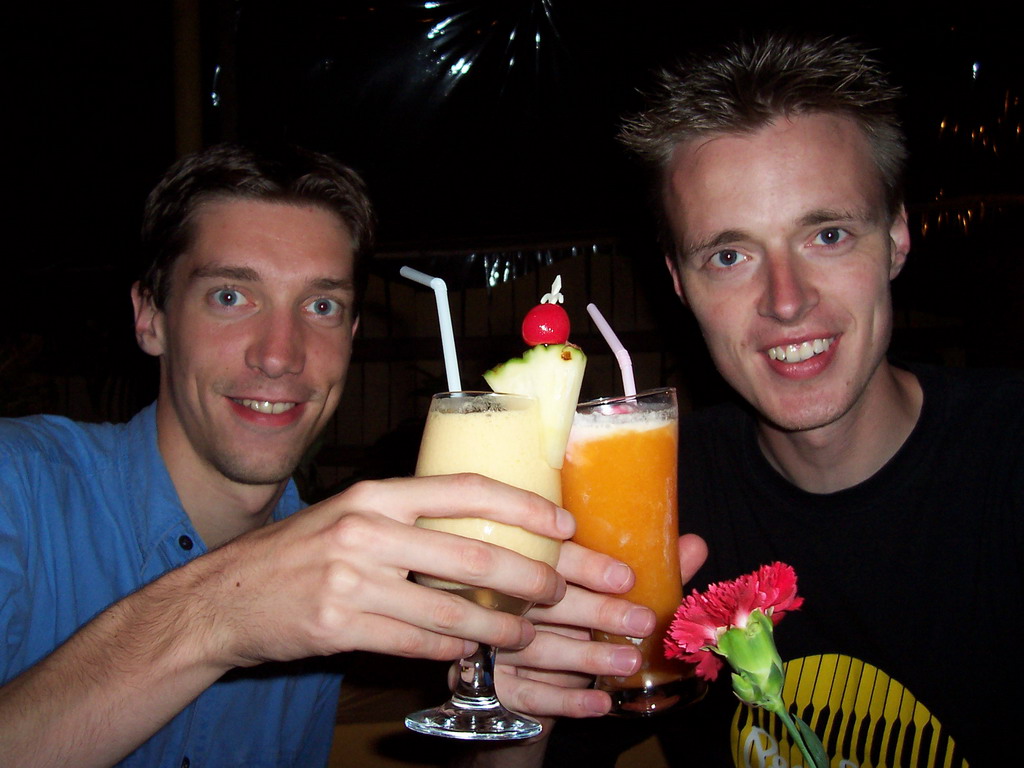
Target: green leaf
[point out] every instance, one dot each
(745, 690)
(813, 744)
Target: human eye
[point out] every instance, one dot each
(726, 258)
(325, 307)
(228, 297)
(830, 236)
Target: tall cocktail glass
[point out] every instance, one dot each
(498, 436)
(619, 481)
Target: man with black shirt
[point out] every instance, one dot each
(895, 491)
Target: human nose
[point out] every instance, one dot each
(277, 348)
(788, 292)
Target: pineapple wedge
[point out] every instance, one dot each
(553, 374)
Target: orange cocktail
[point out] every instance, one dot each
(620, 482)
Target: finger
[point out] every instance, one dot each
(445, 613)
(559, 652)
(594, 570)
(537, 697)
(693, 551)
(383, 634)
(468, 561)
(380, 542)
(464, 495)
(583, 608)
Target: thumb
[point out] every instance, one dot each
(693, 551)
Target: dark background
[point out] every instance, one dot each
(474, 123)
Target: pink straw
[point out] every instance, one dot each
(621, 355)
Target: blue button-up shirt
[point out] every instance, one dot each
(88, 514)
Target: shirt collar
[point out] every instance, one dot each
(159, 514)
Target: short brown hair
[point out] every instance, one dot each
(751, 83)
(281, 174)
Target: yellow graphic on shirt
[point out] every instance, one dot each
(864, 719)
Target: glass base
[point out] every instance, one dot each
(644, 702)
(483, 719)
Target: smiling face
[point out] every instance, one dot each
(254, 341)
(785, 253)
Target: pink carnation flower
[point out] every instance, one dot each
(704, 617)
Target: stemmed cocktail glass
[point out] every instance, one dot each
(498, 436)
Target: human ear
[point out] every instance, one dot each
(148, 322)
(899, 236)
(677, 283)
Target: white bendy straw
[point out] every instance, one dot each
(625, 363)
(444, 321)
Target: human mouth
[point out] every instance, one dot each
(265, 406)
(797, 353)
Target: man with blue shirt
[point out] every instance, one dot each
(164, 598)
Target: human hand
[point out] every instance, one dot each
(334, 577)
(550, 676)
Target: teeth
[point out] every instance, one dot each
(797, 353)
(266, 406)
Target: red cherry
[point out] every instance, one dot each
(546, 324)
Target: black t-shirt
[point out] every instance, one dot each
(909, 636)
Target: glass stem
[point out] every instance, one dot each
(475, 687)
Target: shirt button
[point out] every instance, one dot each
(185, 543)
(184, 761)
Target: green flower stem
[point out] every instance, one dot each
(758, 679)
(773, 704)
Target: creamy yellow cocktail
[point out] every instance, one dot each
(498, 436)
